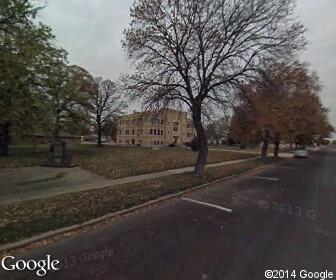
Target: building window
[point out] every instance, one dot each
(175, 128)
(127, 132)
(154, 131)
(140, 121)
(133, 132)
(161, 121)
(151, 131)
(175, 123)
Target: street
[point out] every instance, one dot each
(283, 217)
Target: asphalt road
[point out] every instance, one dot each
(285, 220)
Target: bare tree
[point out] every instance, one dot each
(106, 104)
(197, 51)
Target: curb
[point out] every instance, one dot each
(23, 243)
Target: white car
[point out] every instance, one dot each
(301, 154)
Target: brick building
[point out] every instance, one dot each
(155, 128)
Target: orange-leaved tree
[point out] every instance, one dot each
(281, 104)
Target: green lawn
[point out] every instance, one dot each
(116, 162)
(26, 219)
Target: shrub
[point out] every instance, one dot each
(194, 144)
(231, 142)
(242, 146)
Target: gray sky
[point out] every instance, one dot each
(91, 31)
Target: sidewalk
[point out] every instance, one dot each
(34, 191)
(282, 155)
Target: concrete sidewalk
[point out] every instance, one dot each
(16, 188)
(282, 155)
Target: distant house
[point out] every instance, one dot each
(155, 128)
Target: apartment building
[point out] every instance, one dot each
(155, 128)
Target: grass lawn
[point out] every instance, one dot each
(116, 162)
(26, 219)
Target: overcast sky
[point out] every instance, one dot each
(91, 31)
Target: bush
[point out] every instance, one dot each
(231, 142)
(194, 144)
(172, 145)
(242, 146)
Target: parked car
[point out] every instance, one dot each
(301, 153)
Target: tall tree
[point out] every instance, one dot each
(106, 105)
(283, 104)
(196, 51)
(68, 93)
(26, 53)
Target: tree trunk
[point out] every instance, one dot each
(264, 148)
(99, 135)
(265, 143)
(276, 145)
(57, 128)
(202, 142)
(4, 139)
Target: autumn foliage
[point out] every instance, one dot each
(281, 104)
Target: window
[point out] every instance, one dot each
(161, 132)
(161, 121)
(133, 132)
(175, 129)
(151, 131)
(175, 123)
(154, 131)
(127, 132)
